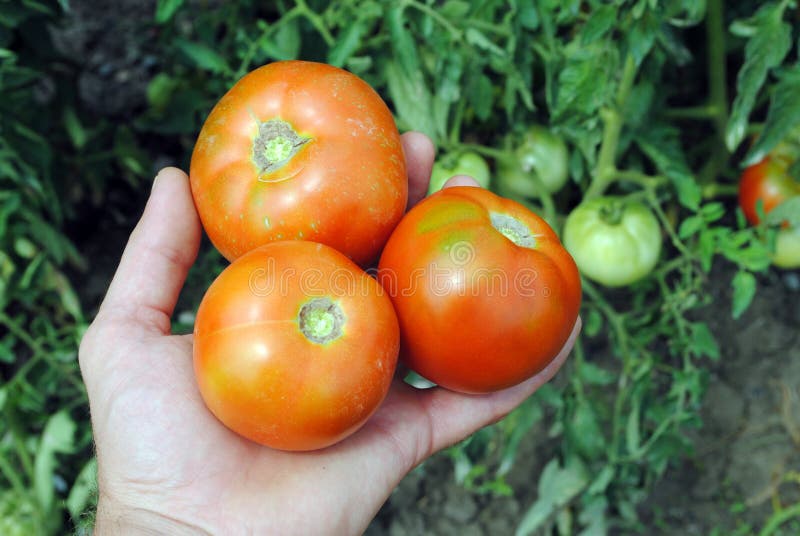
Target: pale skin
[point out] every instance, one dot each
(166, 465)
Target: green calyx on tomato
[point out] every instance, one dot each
(321, 320)
(274, 145)
(466, 163)
(614, 241)
(540, 153)
(513, 229)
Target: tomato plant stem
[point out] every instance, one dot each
(605, 171)
(647, 181)
(548, 207)
(715, 33)
(617, 324)
(316, 21)
(497, 154)
(706, 112)
(778, 518)
(715, 189)
(435, 15)
(38, 351)
(11, 475)
(665, 223)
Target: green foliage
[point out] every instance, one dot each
(625, 83)
(41, 318)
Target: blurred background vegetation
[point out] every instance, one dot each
(97, 96)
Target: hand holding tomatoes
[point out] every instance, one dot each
(169, 466)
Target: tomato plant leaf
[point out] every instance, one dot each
(285, 43)
(57, 437)
(480, 96)
(661, 143)
(160, 89)
(783, 115)
(585, 83)
(592, 323)
(788, 211)
(584, 432)
(203, 56)
(477, 39)
(703, 342)
(165, 9)
(527, 15)
(690, 226)
(412, 100)
(768, 43)
(642, 36)
(744, 289)
(455, 9)
(405, 52)
(602, 480)
(599, 23)
(77, 133)
(83, 488)
(593, 514)
(348, 43)
(557, 486)
(517, 424)
(632, 434)
(595, 375)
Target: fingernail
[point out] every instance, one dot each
(155, 179)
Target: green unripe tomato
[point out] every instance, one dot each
(613, 241)
(787, 248)
(540, 153)
(467, 163)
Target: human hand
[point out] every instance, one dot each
(166, 465)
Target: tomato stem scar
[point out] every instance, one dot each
(321, 320)
(275, 144)
(513, 229)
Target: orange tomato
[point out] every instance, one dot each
(300, 151)
(294, 346)
(485, 294)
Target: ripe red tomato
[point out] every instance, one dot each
(295, 346)
(485, 294)
(769, 180)
(300, 151)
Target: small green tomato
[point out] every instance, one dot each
(613, 241)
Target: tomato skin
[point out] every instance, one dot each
(345, 187)
(614, 242)
(444, 268)
(540, 153)
(263, 378)
(467, 163)
(769, 180)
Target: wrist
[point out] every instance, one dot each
(113, 518)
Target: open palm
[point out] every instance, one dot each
(166, 465)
